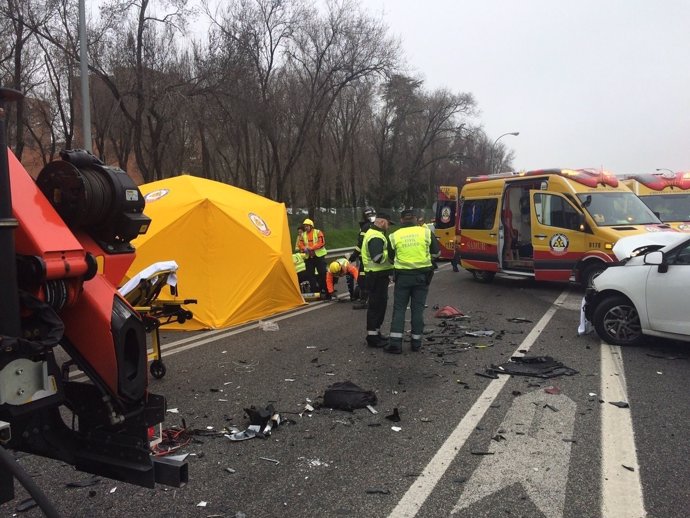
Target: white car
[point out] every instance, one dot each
(646, 293)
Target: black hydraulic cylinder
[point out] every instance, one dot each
(9, 295)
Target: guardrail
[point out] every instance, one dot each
(339, 252)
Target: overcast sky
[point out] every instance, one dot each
(592, 83)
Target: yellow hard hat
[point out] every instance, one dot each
(334, 267)
(308, 222)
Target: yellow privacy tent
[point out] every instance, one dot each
(232, 246)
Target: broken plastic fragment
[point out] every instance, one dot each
(84, 483)
(371, 409)
(552, 390)
(376, 491)
(620, 404)
(519, 320)
(395, 416)
(268, 325)
(173, 410)
(249, 433)
(25, 505)
(448, 312)
(629, 468)
(486, 332)
(202, 504)
(274, 461)
(396, 428)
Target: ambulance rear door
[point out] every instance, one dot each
(557, 241)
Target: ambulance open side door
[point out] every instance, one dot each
(557, 241)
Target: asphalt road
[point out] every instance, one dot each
(467, 445)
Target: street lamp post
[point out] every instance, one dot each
(491, 153)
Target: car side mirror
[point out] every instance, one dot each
(656, 258)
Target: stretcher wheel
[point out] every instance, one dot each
(157, 369)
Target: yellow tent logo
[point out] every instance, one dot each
(559, 244)
(156, 195)
(260, 224)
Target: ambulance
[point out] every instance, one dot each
(551, 224)
(445, 219)
(667, 194)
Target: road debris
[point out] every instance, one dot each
(620, 404)
(395, 416)
(274, 461)
(448, 312)
(396, 428)
(376, 491)
(537, 366)
(268, 325)
(345, 395)
(519, 320)
(552, 390)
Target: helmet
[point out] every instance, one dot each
(308, 222)
(369, 214)
(334, 267)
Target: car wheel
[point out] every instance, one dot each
(590, 272)
(617, 322)
(483, 275)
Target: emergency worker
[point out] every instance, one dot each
(341, 268)
(313, 243)
(368, 216)
(412, 248)
(378, 269)
(303, 277)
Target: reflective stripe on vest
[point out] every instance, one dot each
(315, 239)
(367, 261)
(411, 245)
(298, 261)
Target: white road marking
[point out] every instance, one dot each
(621, 489)
(538, 459)
(211, 336)
(419, 491)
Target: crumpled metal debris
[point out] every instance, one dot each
(262, 421)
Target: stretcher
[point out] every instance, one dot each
(142, 292)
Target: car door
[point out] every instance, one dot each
(667, 293)
(557, 241)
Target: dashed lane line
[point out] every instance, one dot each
(621, 488)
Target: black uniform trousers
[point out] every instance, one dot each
(377, 284)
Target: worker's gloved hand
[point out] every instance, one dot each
(307, 251)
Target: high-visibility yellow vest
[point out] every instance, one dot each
(298, 261)
(411, 245)
(367, 261)
(321, 252)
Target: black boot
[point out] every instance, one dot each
(394, 346)
(416, 345)
(376, 341)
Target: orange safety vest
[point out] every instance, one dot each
(318, 242)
